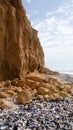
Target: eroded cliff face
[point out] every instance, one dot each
(20, 49)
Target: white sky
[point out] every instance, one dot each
(54, 21)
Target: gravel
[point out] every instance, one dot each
(39, 115)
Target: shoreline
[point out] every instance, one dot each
(62, 77)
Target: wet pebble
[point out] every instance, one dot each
(39, 115)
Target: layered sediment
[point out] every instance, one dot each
(20, 49)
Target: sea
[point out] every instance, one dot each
(66, 72)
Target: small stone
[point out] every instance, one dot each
(2, 104)
(63, 94)
(36, 77)
(3, 127)
(24, 97)
(46, 96)
(42, 91)
(15, 127)
(7, 83)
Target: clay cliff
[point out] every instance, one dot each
(22, 61)
(20, 49)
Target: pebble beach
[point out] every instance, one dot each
(39, 115)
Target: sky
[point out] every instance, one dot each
(54, 21)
